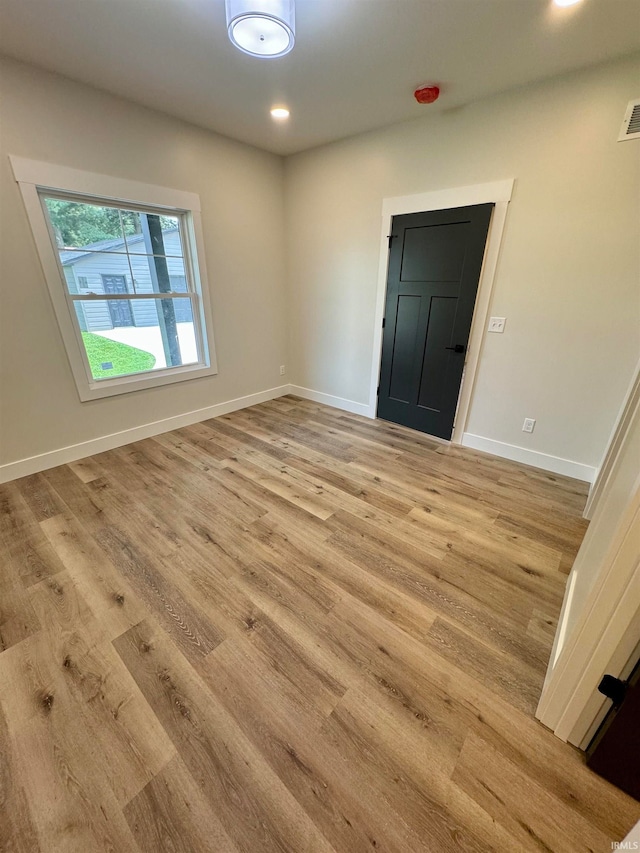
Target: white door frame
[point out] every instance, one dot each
(606, 633)
(498, 192)
(605, 639)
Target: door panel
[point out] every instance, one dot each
(407, 319)
(434, 363)
(434, 253)
(120, 309)
(434, 268)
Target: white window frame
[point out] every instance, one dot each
(35, 179)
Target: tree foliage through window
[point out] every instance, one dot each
(76, 224)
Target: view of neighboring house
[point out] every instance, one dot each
(107, 267)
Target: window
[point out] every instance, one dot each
(130, 255)
(125, 270)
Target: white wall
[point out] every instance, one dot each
(46, 117)
(568, 279)
(622, 483)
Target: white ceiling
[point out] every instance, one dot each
(354, 67)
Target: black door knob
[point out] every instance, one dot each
(457, 348)
(613, 688)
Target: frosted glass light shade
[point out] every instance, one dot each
(263, 28)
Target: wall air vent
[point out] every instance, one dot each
(631, 124)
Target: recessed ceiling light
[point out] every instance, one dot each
(280, 113)
(566, 2)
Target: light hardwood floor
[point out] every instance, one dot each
(288, 629)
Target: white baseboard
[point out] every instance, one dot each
(556, 464)
(34, 464)
(330, 400)
(73, 452)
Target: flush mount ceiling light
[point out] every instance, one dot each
(566, 2)
(264, 28)
(280, 113)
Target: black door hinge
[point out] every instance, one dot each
(378, 391)
(390, 238)
(384, 320)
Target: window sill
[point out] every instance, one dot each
(99, 388)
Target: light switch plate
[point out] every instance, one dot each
(496, 324)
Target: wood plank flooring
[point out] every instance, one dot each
(288, 629)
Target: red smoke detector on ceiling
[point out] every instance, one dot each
(426, 94)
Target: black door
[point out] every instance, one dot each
(435, 260)
(120, 309)
(614, 751)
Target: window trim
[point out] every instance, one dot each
(36, 179)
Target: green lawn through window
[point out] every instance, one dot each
(123, 358)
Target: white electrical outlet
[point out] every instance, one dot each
(496, 324)
(528, 424)
(282, 370)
